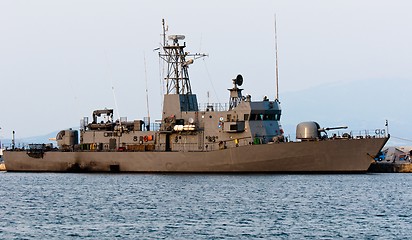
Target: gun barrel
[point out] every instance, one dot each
(332, 128)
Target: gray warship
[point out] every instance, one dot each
(244, 137)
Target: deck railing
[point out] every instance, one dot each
(213, 107)
(352, 134)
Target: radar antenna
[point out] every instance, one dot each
(177, 76)
(235, 92)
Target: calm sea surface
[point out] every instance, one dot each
(147, 206)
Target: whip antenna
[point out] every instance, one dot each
(112, 83)
(147, 93)
(277, 70)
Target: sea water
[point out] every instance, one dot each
(192, 206)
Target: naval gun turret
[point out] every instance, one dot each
(311, 131)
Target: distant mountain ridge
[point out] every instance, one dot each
(20, 142)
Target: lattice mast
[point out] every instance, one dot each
(177, 75)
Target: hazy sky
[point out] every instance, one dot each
(59, 60)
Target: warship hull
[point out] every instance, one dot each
(243, 136)
(329, 156)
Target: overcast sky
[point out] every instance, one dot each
(60, 60)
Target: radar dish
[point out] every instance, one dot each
(176, 37)
(239, 80)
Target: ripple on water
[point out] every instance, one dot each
(205, 206)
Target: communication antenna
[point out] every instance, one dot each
(161, 71)
(207, 71)
(13, 140)
(210, 80)
(114, 94)
(387, 126)
(147, 92)
(165, 28)
(277, 70)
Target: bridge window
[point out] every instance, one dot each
(264, 117)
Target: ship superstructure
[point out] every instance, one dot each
(183, 126)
